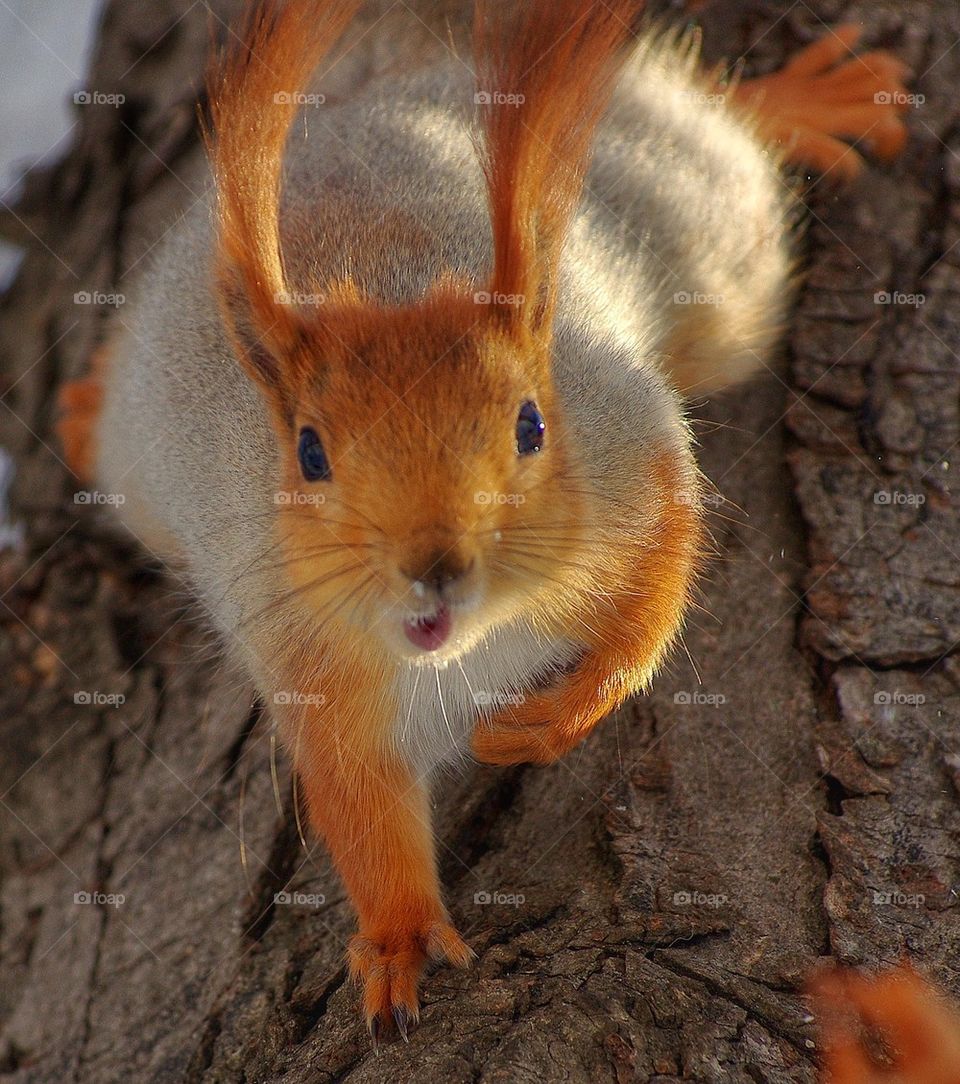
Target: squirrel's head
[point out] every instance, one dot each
(427, 478)
(428, 481)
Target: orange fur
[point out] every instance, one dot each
(79, 403)
(410, 451)
(640, 607)
(416, 397)
(253, 101)
(558, 61)
(347, 554)
(891, 1027)
(375, 819)
(826, 92)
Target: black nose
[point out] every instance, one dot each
(439, 569)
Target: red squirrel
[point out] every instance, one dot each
(404, 399)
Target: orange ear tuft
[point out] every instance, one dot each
(544, 80)
(254, 91)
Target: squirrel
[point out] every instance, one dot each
(404, 397)
(892, 1027)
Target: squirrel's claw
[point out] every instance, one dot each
(825, 96)
(390, 969)
(402, 1019)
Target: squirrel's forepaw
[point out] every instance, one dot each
(526, 734)
(826, 95)
(503, 744)
(390, 968)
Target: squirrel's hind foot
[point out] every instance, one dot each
(79, 405)
(826, 95)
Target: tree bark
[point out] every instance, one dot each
(787, 794)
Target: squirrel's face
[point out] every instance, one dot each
(429, 484)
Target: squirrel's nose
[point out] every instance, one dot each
(439, 570)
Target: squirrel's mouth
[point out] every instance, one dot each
(431, 632)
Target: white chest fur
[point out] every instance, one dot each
(439, 707)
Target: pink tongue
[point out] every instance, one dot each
(429, 633)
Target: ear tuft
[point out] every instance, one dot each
(544, 79)
(254, 91)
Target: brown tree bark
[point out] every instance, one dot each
(676, 879)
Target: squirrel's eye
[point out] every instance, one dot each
(530, 429)
(313, 459)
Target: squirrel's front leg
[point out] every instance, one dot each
(548, 724)
(623, 649)
(373, 814)
(626, 628)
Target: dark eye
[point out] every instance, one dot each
(313, 459)
(530, 429)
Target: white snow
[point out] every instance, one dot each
(44, 53)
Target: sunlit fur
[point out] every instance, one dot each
(558, 62)
(385, 384)
(252, 93)
(370, 275)
(400, 270)
(414, 473)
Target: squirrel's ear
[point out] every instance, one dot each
(544, 79)
(253, 100)
(268, 354)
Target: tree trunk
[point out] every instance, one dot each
(787, 794)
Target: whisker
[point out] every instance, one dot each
(300, 590)
(413, 700)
